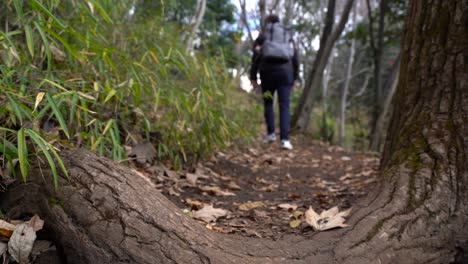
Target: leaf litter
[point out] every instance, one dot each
(21, 244)
(266, 192)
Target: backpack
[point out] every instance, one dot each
(278, 43)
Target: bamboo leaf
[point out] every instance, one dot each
(29, 39)
(38, 6)
(22, 154)
(42, 144)
(58, 115)
(111, 93)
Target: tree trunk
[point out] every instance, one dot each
(378, 53)
(197, 19)
(391, 84)
(301, 116)
(344, 94)
(325, 129)
(105, 213)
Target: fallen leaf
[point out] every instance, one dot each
(194, 204)
(328, 219)
(327, 157)
(216, 191)
(345, 158)
(171, 174)
(297, 214)
(192, 178)
(250, 205)
(6, 229)
(3, 248)
(21, 243)
(143, 153)
(294, 195)
(36, 223)
(173, 192)
(269, 188)
(233, 186)
(286, 206)
(209, 214)
(261, 180)
(295, 223)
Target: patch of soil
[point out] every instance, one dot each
(267, 190)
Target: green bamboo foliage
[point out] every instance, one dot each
(81, 72)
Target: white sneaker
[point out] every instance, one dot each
(285, 144)
(270, 138)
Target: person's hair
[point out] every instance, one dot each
(272, 19)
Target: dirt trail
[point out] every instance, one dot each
(266, 190)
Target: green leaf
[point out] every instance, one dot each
(29, 39)
(38, 6)
(45, 148)
(22, 154)
(58, 115)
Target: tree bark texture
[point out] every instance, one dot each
(106, 213)
(301, 116)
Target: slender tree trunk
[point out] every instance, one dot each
(325, 129)
(262, 9)
(245, 22)
(301, 116)
(105, 213)
(344, 94)
(378, 53)
(390, 86)
(197, 19)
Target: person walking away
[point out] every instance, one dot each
(275, 58)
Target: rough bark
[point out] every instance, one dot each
(301, 116)
(105, 213)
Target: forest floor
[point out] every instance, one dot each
(265, 190)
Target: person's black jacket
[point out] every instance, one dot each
(264, 66)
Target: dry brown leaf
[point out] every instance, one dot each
(345, 158)
(216, 191)
(209, 214)
(261, 180)
(143, 153)
(171, 174)
(269, 188)
(6, 229)
(328, 219)
(194, 204)
(36, 223)
(295, 223)
(233, 186)
(192, 178)
(297, 214)
(21, 243)
(289, 207)
(173, 192)
(250, 205)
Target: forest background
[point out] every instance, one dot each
(106, 75)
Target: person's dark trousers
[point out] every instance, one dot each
(279, 82)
